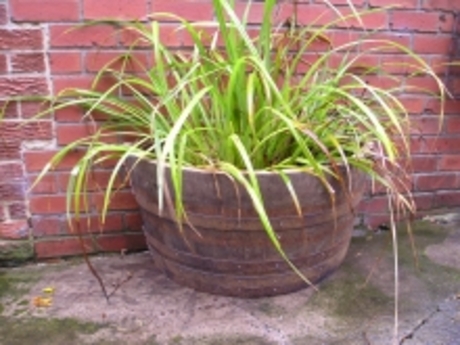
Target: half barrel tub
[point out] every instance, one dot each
(227, 251)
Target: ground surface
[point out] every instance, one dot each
(353, 306)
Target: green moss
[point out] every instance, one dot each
(177, 340)
(152, 340)
(14, 284)
(349, 296)
(44, 331)
(225, 340)
(15, 252)
(269, 308)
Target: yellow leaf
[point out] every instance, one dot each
(49, 290)
(40, 302)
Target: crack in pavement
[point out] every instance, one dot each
(422, 323)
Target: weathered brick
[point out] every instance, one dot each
(3, 16)
(17, 210)
(30, 39)
(33, 130)
(17, 229)
(3, 64)
(22, 86)
(11, 171)
(9, 110)
(27, 62)
(11, 191)
(10, 149)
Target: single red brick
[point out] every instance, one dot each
(307, 14)
(133, 221)
(393, 42)
(397, 4)
(46, 226)
(373, 205)
(34, 109)
(3, 64)
(37, 160)
(27, 62)
(255, 14)
(138, 61)
(426, 163)
(60, 247)
(12, 191)
(426, 125)
(357, 3)
(10, 149)
(16, 229)
(46, 185)
(61, 83)
(10, 110)
(129, 242)
(447, 199)
(98, 180)
(44, 10)
(11, 171)
(120, 9)
(30, 39)
(65, 62)
(122, 200)
(449, 162)
(193, 10)
(36, 130)
(370, 21)
(93, 224)
(413, 105)
(22, 86)
(63, 35)
(433, 44)
(71, 132)
(3, 16)
(452, 125)
(421, 85)
(447, 5)
(130, 37)
(69, 114)
(48, 204)
(437, 182)
(433, 106)
(17, 210)
(415, 21)
(423, 201)
(443, 144)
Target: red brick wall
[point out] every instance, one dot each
(38, 55)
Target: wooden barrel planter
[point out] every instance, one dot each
(228, 252)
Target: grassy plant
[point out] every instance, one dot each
(239, 103)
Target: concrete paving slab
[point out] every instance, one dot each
(355, 305)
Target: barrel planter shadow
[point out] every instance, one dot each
(227, 251)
